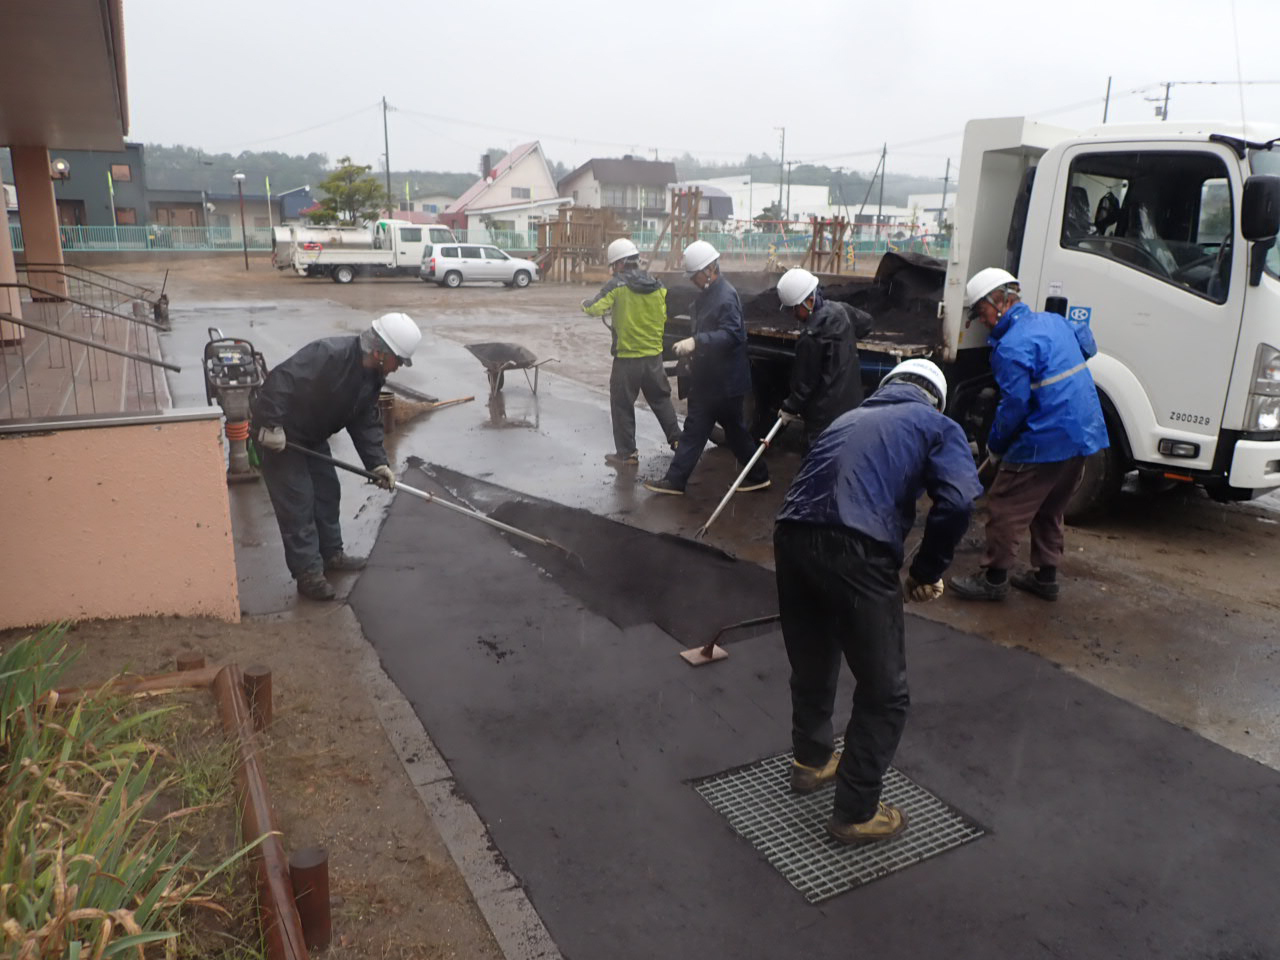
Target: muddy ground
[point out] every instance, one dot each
(1170, 604)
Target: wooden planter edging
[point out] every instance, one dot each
(281, 926)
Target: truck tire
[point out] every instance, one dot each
(343, 274)
(453, 279)
(1099, 488)
(521, 279)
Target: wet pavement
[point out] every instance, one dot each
(1195, 645)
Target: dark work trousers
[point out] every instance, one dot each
(838, 593)
(702, 416)
(630, 377)
(305, 495)
(1035, 495)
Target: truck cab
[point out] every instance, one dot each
(1160, 237)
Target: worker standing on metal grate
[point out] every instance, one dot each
(838, 552)
(327, 386)
(639, 306)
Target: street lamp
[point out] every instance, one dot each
(238, 177)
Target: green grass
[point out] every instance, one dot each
(98, 803)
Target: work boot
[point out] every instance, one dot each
(1031, 582)
(888, 823)
(663, 486)
(631, 459)
(976, 586)
(314, 586)
(806, 779)
(342, 562)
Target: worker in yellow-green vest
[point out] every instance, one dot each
(638, 303)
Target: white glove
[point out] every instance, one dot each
(586, 303)
(786, 416)
(917, 592)
(684, 348)
(386, 479)
(271, 438)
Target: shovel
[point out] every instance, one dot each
(431, 498)
(733, 488)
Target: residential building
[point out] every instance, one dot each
(103, 188)
(636, 190)
(435, 203)
(516, 194)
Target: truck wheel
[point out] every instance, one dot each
(521, 279)
(1099, 487)
(343, 274)
(453, 279)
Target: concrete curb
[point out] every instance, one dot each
(502, 900)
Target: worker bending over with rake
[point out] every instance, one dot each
(838, 552)
(639, 306)
(826, 377)
(327, 386)
(720, 375)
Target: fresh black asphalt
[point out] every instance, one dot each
(554, 691)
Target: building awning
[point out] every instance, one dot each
(62, 75)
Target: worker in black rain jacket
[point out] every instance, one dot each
(327, 386)
(838, 553)
(826, 374)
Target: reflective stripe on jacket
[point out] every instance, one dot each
(1049, 409)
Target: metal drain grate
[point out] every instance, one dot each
(789, 830)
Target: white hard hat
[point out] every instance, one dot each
(698, 256)
(925, 370)
(985, 282)
(796, 286)
(620, 249)
(400, 334)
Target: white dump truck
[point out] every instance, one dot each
(386, 248)
(1160, 236)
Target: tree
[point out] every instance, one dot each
(351, 195)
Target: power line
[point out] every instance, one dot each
(285, 136)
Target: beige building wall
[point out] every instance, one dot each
(117, 521)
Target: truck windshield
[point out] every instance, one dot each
(1268, 162)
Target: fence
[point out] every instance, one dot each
(157, 237)
(152, 237)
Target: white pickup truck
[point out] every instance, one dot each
(387, 248)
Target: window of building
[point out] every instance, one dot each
(262, 223)
(405, 206)
(431, 208)
(504, 225)
(653, 198)
(222, 219)
(613, 196)
(121, 173)
(521, 193)
(1168, 215)
(126, 217)
(410, 234)
(575, 196)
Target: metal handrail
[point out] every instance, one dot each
(44, 264)
(82, 303)
(87, 342)
(30, 268)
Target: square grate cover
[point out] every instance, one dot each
(790, 830)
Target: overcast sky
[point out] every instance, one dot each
(716, 79)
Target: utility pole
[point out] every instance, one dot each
(1106, 104)
(942, 213)
(386, 146)
(884, 149)
(788, 216)
(1164, 111)
(782, 162)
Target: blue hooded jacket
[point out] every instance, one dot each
(866, 471)
(719, 367)
(1049, 409)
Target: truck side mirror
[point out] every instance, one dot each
(1260, 207)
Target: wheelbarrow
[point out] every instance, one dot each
(498, 358)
